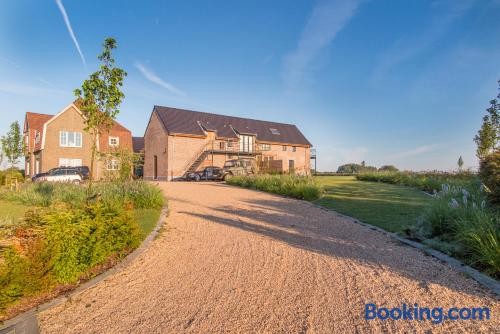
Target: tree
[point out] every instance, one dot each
(488, 137)
(460, 163)
(388, 168)
(1, 157)
(363, 163)
(100, 98)
(12, 144)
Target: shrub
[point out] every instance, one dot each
(428, 181)
(62, 245)
(138, 193)
(489, 171)
(301, 187)
(388, 168)
(461, 223)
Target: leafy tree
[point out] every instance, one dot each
(388, 168)
(363, 163)
(488, 137)
(100, 97)
(1, 157)
(12, 144)
(460, 163)
(355, 168)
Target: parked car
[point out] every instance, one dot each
(61, 175)
(210, 173)
(240, 166)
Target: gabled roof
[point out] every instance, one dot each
(182, 121)
(36, 120)
(138, 144)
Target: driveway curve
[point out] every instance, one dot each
(236, 260)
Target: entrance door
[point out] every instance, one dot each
(155, 167)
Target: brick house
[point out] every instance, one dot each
(178, 140)
(59, 140)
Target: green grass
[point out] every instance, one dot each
(11, 212)
(147, 219)
(391, 207)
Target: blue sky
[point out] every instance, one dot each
(389, 82)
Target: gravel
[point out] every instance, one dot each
(236, 260)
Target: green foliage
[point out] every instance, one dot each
(100, 97)
(460, 163)
(301, 187)
(460, 222)
(388, 168)
(61, 245)
(428, 181)
(138, 194)
(489, 171)
(12, 144)
(355, 168)
(9, 174)
(488, 137)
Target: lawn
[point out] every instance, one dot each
(11, 212)
(391, 207)
(147, 219)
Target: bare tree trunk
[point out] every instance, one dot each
(92, 158)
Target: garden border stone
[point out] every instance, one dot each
(481, 278)
(27, 322)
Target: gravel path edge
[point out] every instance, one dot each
(481, 278)
(27, 322)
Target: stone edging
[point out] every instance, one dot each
(27, 322)
(481, 278)
(486, 281)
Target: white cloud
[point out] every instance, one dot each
(327, 19)
(70, 29)
(151, 76)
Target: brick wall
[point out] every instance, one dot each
(155, 144)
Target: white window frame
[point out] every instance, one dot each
(265, 147)
(65, 142)
(294, 148)
(70, 162)
(112, 164)
(114, 138)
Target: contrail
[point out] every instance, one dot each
(70, 30)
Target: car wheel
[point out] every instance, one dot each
(76, 182)
(228, 177)
(197, 178)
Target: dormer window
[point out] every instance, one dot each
(37, 136)
(274, 131)
(114, 141)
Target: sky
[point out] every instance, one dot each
(401, 82)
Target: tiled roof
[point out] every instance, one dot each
(35, 120)
(138, 144)
(183, 121)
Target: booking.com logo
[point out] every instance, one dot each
(436, 315)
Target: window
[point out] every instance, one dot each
(70, 139)
(246, 143)
(37, 136)
(294, 148)
(284, 147)
(112, 164)
(222, 146)
(265, 147)
(229, 144)
(274, 131)
(114, 141)
(65, 162)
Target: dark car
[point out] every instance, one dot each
(210, 173)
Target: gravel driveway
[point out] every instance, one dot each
(235, 260)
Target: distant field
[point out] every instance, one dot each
(388, 206)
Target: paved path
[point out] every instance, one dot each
(235, 260)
